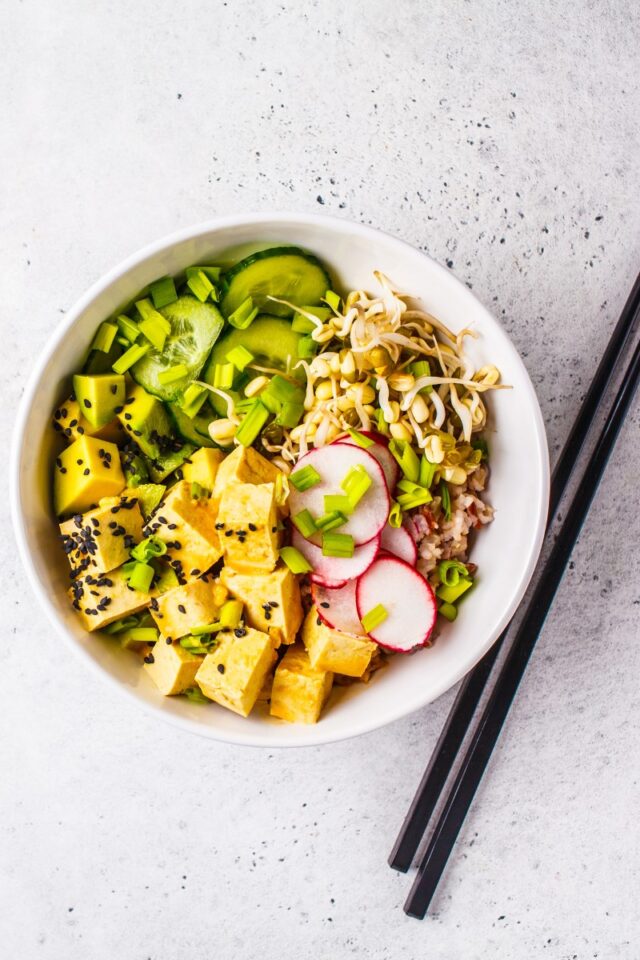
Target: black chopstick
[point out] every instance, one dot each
(461, 714)
(511, 672)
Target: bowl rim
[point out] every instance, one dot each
(111, 277)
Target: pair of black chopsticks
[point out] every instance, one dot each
(620, 363)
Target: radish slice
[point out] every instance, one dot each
(381, 453)
(407, 598)
(400, 543)
(337, 607)
(336, 571)
(333, 464)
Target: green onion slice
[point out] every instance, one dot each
(331, 521)
(200, 285)
(294, 560)
(338, 502)
(337, 545)
(104, 337)
(240, 357)
(355, 484)
(374, 618)
(140, 577)
(252, 423)
(163, 292)
(305, 523)
(448, 611)
(132, 355)
(395, 515)
(231, 614)
(304, 478)
(244, 316)
(360, 440)
(446, 499)
(171, 374)
(451, 572)
(148, 549)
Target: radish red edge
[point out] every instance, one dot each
(406, 595)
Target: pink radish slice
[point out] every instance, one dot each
(400, 543)
(381, 453)
(336, 571)
(333, 463)
(337, 607)
(407, 598)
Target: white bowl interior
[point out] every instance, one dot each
(505, 551)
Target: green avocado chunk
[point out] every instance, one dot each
(99, 396)
(147, 423)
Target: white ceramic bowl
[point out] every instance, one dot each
(506, 551)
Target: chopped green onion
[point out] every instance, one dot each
(197, 490)
(383, 426)
(374, 618)
(213, 273)
(448, 611)
(140, 577)
(172, 374)
(294, 560)
(163, 292)
(200, 285)
(290, 414)
(223, 374)
(304, 478)
(231, 614)
(333, 300)
(427, 472)
(148, 549)
(407, 458)
(355, 484)
(104, 337)
(451, 594)
(244, 316)
(195, 646)
(414, 489)
(360, 440)
(281, 492)
(143, 634)
(446, 499)
(409, 501)
(301, 324)
(192, 399)
(338, 501)
(240, 357)
(331, 521)
(129, 328)
(281, 390)
(119, 625)
(123, 342)
(451, 572)
(421, 368)
(195, 695)
(481, 445)
(206, 629)
(132, 355)
(337, 545)
(395, 515)
(307, 348)
(148, 312)
(252, 423)
(305, 523)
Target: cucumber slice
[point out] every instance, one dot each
(286, 272)
(272, 343)
(194, 430)
(195, 327)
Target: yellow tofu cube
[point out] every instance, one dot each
(100, 540)
(333, 650)
(187, 526)
(244, 465)
(202, 467)
(234, 673)
(70, 423)
(250, 535)
(86, 471)
(172, 669)
(196, 604)
(271, 601)
(100, 600)
(299, 690)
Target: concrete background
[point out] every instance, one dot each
(504, 141)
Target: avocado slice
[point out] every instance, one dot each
(148, 424)
(99, 396)
(86, 471)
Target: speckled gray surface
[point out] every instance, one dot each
(505, 143)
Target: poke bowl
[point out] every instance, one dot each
(317, 468)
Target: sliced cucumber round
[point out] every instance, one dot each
(195, 431)
(285, 272)
(195, 327)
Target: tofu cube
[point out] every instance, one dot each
(272, 601)
(100, 540)
(244, 465)
(250, 536)
(234, 673)
(299, 690)
(187, 526)
(100, 600)
(196, 604)
(88, 470)
(70, 423)
(173, 669)
(202, 467)
(333, 650)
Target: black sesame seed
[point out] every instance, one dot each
(168, 641)
(240, 632)
(149, 658)
(221, 668)
(130, 400)
(325, 605)
(63, 469)
(128, 416)
(267, 615)
(274, 529)
(81, 430)
(228, 533)
(114, 388)
(182, 608)
(219, 526)
(118, 409)
(319, 621)
(252, 527)
(87, 403)
(86, 472)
